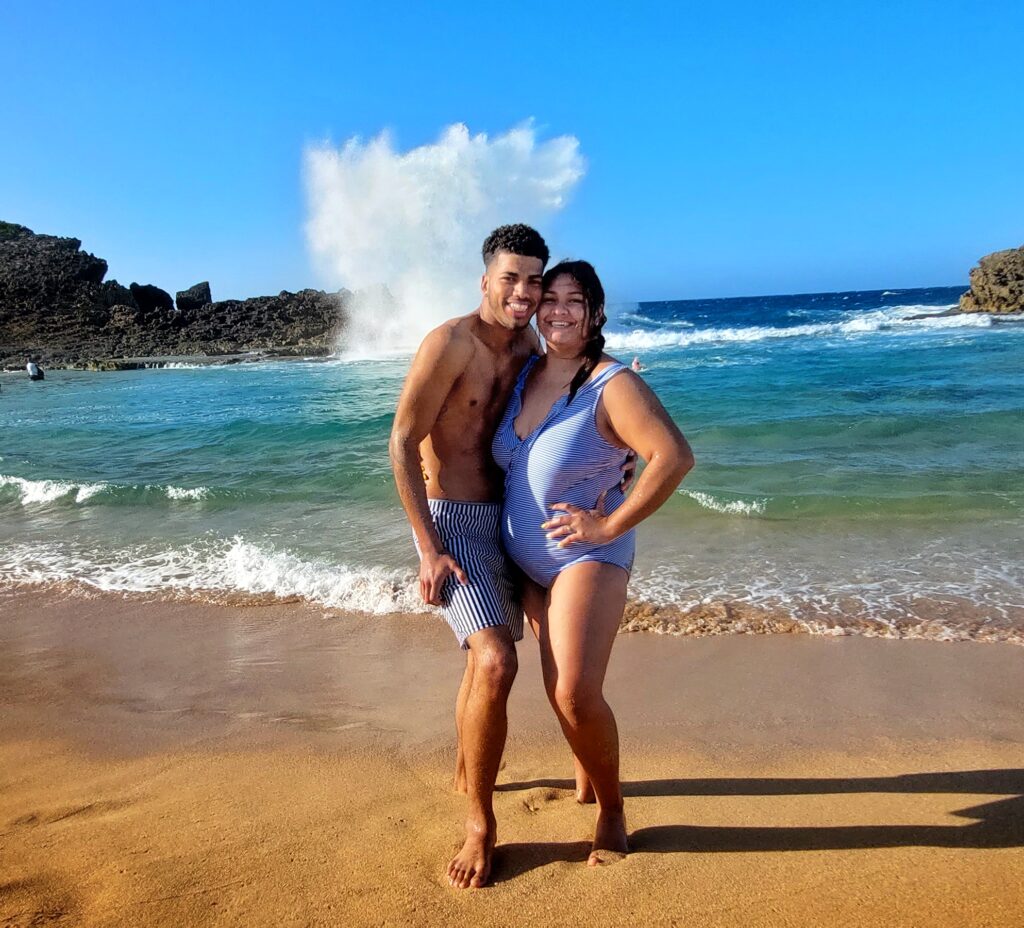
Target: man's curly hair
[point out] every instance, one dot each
(516, 239)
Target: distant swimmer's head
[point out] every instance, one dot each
(572, 316)
(514, 259)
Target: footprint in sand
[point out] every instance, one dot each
(60, 814)
(537, 799)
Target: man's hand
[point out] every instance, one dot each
(586, 525)
(628, 472)
(434, 571)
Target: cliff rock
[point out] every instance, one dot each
(54, 304)
(197, 295)
(997, 284)
(152, 301)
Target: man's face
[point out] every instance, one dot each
(511, 287)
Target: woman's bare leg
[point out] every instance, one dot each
(535, 605)
(585, 606)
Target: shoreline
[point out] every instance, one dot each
(708, 619)
(179, 763)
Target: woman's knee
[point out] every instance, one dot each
(577, 702)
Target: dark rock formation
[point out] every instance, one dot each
(997, 284)
(197, 295)
(308, 319)
(152, 301)
(55, 305)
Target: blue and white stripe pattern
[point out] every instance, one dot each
(470, 533)
(564, 460)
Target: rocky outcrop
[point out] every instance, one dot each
(152, 301)
(997, 284)
(55, 305)
(197, 295)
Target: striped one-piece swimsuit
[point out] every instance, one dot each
(564, 460)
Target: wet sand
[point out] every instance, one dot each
(184, 764)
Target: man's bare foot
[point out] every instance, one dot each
(610, 844)
(472, 865)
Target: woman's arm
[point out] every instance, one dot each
(634, 416)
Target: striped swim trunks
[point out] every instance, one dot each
(471, 533)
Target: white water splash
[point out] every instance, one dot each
(414, 221)
(42, 492)
(34, 492)
(187, 492)
(736, 507)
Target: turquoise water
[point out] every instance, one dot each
(857, 471)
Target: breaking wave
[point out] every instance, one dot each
(895, 320)
(42, 492)
(729, 507)
(232, 566)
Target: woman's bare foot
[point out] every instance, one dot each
(472, 865)
(610, 844)
(585, 791)
(584, 788)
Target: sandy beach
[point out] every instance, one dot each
(175, 763)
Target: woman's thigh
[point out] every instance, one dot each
(535, 605)
(585, 607)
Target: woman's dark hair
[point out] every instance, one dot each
(593, 296)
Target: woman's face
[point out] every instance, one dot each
(562, 317)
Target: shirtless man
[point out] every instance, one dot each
(453, 398)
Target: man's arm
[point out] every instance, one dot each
(441, 358)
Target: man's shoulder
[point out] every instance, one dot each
(453, 339)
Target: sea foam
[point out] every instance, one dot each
(218, 566)
(36, 492)
(728, 507)
(42, 492)
(896, 320)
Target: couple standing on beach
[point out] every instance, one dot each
(481, 399)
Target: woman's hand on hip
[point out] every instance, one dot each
(588, 526)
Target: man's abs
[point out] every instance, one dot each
(460, 467)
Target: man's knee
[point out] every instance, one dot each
(495, 666)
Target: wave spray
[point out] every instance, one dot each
(404, 229)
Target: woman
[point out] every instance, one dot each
(573, 417)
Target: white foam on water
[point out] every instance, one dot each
(42, 492)
(36, 492)
(729, 507)
(752, 596)
(187, 493)
(895, 320)
(932, 594)
(413, 221)
(229, 565)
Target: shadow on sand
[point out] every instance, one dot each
(997, 824)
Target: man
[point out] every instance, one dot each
(34, 370)
(453, 398)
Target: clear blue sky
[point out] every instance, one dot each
(732, 148)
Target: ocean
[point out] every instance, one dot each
(858, 472)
